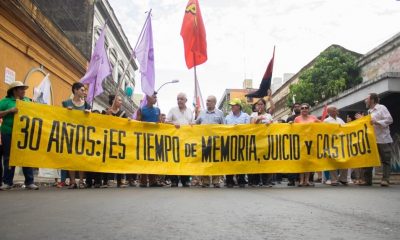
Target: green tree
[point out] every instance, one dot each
(333, 71)
(246, 107)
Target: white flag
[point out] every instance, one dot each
(42, 93)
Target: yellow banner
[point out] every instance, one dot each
(53, 137)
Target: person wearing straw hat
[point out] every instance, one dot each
(16, 91)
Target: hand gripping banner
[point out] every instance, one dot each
(54, 137)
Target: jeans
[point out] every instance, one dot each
(1, 165)
(385, 153)
(64, 175)
(9, 171)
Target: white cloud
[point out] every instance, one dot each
(241, 35)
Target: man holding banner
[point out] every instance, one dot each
(149, 113)
(211, 116)
(236, 117)
(380, 119)
(334, 118)
(180, 115)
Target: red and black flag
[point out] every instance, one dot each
(266, 81)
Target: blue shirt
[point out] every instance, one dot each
(150, 114)
(210, 117)
(243, 118)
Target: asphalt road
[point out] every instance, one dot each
(322, 212)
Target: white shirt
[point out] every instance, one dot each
(266, 117)
(176, 116)
(383, 119)
(334, 120)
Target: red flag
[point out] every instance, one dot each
(324, 113)
(194, 35)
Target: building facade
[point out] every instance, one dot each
(81, 21)
(32, 47)
(380, 70)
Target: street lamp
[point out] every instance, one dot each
(173, 81)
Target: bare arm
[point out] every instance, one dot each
(9, 111)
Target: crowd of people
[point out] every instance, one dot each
(182, 115)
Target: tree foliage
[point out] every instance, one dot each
(334, 71)
(246, 107)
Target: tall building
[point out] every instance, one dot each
(248, 84)
(287, 76)
(231, 93)
(32, 46)
(81, 21)
(276, 83)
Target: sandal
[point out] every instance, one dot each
(309, 184)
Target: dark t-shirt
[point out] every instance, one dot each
(69, 103)
(291, 118)
(120, 113)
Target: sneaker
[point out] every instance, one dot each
(216, 185)
(384, 183)
(328, 182)
(32, 187)
(5, 187)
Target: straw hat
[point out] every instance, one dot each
(17, 84)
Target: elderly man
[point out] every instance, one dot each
(236, 117)
(211, 116)
(333, 118)
(180, 115)
(380, 119)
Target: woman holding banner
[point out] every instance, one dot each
(305, 117)
(116, 111)
(16, 91)
(260, 116)
(77, 102)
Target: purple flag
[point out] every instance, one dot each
(99, 68)
(144, 53)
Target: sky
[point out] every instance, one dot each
(241, 35)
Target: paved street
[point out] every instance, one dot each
(196, 213)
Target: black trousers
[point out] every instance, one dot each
(184, 179)
(239, 177)
(293, 177)
(93, 178)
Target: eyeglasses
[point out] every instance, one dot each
(304, 108)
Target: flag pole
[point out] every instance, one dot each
(130, 58)
(95, 81)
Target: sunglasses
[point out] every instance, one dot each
(304, 108)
